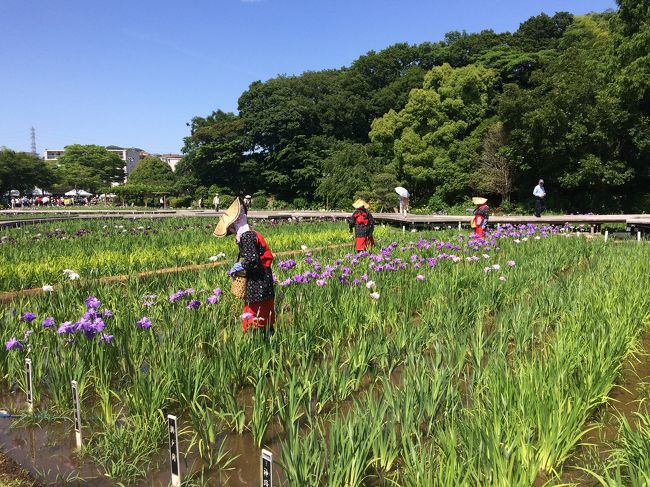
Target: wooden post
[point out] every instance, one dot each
(30, 391)
(266, 469)
(173, 451)
(77, 413)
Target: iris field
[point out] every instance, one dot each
(435, 360)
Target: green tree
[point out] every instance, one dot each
(347, 171)
(435, 138)
(495, 169)
(215, 153)
(567, 129)
(23, 171)
(542, 31)
(89, 167)
(153, 171)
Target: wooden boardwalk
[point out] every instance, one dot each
(32, 216)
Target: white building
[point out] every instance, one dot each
(171, 159)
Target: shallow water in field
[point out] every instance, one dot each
(49, 453)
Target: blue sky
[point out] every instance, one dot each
(133, 72)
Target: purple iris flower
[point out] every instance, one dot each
(107, 313)
(49, 321)
(66, 327)
(212, 299)
(93, 302)
(217, 292)
(98, 325)
(13, 343)
(106, 338)
(28, 317)
(195, 303)
(320, 282)
(144, 323)
(91, 314)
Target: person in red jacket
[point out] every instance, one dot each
(255, 259)
(481, 214)
(363, 224)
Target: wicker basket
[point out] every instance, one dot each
(238, 286)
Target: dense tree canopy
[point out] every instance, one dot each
(564, 98)
(22, 172)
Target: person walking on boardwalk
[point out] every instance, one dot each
(248, 201)
(539, 193)
(254, 263)
(216, 202)
(363, 224)
(481, 215)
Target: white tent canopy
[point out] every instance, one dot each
(78, 192)
(40, 192)
(104, 195)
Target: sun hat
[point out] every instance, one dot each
(478, 200)
(228, 218)
(359, 204)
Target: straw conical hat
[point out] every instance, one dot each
(477, 200)
(359, 204)
(228, 218)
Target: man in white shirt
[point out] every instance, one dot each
(539, 193)
(216, 202)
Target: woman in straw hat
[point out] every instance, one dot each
(255, 261)
(363, 224)
(481, 214)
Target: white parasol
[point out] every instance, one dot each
(402, 192)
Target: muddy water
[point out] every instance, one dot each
(49, 453)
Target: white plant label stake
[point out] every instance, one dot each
(638, 236)
(173, 451)
(30, 392)
(266, 469)
(77, 413)
(606, 235)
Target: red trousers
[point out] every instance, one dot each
(258, 315)
(363, 243)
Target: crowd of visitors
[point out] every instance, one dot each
(39, 201)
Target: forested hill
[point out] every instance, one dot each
(564, 98)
